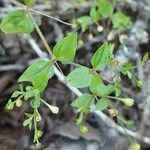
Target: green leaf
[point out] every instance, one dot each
(96, 81)
(104, 90)
(121, 21)
(79, 77)
(126, 70)
(98, 88)
(85, 22)
(105, 8)
(117, 91)
(16, 94)
(145, 58)
(94, 13)
(38, 73)
(17, 22)
(42, 81)
(83, 102)
(102, 104)
(65, 49)
(135, 146)
(29, 2)
(37, 134)
(102, 56)
(27, 121)
(9, 105)
(28, 95)
(29, 115)
(126, 67)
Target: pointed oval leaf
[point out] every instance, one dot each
(85, 22)
(104, 90)
(102, 104)
(94, 13)
(65, 49)
(98, 88)
(121, 21)
(17, 22)
(102, 56)
(38, 73)
(83, 102)
(96, 81)
(105, 8)
(145, 58)
(79, 77)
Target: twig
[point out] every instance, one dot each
(11, 67)
(109, 122)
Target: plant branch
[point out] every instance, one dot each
(51, 17)
(45, 42)
(61, 77)
(38, 12)
(108, 121)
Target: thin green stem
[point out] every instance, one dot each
(18, 4)
(41, 13)
(39, 33)
(44, 102)
(140, 65)
(35, 124)
(116, 98)
(75, 64)
(96, 98)
(45, 42)
(51, 17)
(114, 6)
(107, 80)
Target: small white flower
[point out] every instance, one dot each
(111, 36)
(100, 29)
(19, 103)
(128, 101)
(54, 109)
(38, 118)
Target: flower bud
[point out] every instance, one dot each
(139, 84)
(80, 42)
(115, 63)
(54, 109)
(19, 103)
(111, 36)
(128, 101)
(135, 146)
(113, 112)
(90, 36)
(9, 105)
(83, 129)
(117, 79)
(38, 117)
(74, 26)
(100, 29)
(122, 38)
